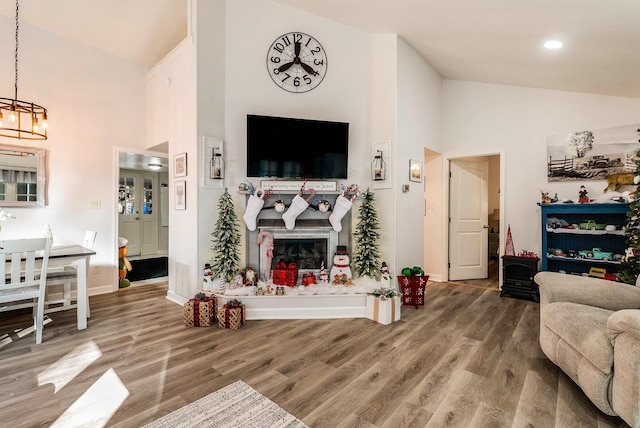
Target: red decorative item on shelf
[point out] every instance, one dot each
(509, 250)
(285, 274)
(308, 278)
(413, 289)
(528, 254)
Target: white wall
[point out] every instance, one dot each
(171, 95)
(95, 102)
(519, 120)
(210, 34)
(383, 121)
(419, 127)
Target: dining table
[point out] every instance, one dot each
(61, 256)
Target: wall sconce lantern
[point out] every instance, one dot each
(378, 167)
(217, 165)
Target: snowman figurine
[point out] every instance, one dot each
(341, 272)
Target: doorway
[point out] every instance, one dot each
(142, 206)
(474, 220)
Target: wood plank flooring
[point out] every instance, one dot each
(468, 358)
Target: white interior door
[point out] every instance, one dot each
(129, 207)
(468, 213)
(138, 211)
(150, 207)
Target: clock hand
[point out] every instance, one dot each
(297, 49)
(285, 67)
(308, 69)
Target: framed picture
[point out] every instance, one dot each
(180, 165)
(211, 177)
(415, 170)
(180, 195)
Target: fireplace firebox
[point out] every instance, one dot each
(309, 245)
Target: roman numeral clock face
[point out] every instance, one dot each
(296, 62)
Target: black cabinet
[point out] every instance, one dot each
(517, 277)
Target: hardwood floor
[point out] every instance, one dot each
(468, 358)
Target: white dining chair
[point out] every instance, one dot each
(65, 278)
(25, 277)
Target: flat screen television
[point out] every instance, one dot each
(283, 147)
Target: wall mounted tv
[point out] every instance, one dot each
(282, 147)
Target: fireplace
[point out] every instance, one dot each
(309, 244)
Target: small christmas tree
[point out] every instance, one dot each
(226, 239)
(630, 266)
(367, 254)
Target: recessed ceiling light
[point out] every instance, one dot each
(553, 44)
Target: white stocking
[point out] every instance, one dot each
(298, 205)
(340, 208)
(254, 205)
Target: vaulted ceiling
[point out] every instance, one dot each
(493, 41)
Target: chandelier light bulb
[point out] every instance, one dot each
(44, 123)
(13, 117)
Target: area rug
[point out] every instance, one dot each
(156, 267)
(234, 406)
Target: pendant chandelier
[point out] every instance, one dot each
(22, 119)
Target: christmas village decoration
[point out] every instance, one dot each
(224, 276)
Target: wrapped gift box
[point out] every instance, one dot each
(231, 318)
(413, 289)
(308, 278)
(384, 311)
(285, 274)
(200, 312)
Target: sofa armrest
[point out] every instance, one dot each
(560, 287)
(624, 331)
(624, 321)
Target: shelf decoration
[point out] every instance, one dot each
(509, 250)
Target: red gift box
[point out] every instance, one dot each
(308, 278)
(412, 288)
(285, 274)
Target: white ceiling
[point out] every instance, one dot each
(493, 41)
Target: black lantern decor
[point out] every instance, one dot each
(217, 165)
(378, 167)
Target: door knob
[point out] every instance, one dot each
(486, 226)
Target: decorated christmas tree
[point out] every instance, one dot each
(367, 254)
(630, 266)
(226, 239)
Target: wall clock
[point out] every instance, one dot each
(296, 62)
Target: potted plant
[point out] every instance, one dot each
(412, 285)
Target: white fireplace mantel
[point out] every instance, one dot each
(301, 306)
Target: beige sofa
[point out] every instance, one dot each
(590, 328)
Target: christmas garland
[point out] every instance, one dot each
(384, 293)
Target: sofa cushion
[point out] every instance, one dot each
(584, 328)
